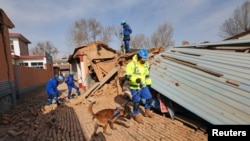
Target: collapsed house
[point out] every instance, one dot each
(92, 63)
(96, 63)
(209, 80)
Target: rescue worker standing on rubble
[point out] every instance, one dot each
(52, 90)
(70, 81)
(126, 35)
(137, 73)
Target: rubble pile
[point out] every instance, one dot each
(32, 119)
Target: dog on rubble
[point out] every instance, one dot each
(106, 117)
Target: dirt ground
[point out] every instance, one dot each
(34, 120)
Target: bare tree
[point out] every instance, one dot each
(106, 34)
(163, 35)
(114, 33)
(95, 29)
(84, 31)
(140, 41)
(44, 46)
(238, 22)
(78, 34)
(117, 32)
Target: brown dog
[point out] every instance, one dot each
(107, 117)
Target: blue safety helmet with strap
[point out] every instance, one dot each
(60, 78)
(143, 54)
(123, 22)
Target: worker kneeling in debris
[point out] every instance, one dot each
(52, 90)
(137, 73)
(70, 81)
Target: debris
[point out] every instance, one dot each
(14, 133)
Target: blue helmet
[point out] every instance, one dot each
(60, 78)
(143, 54)
(123, 22)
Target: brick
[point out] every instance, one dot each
(2, 133)
(14, 133)
(74, 122)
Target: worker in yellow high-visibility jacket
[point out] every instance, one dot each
(137, 73)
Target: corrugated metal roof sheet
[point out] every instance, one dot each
(213, 84)
(219, 43)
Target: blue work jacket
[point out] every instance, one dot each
(70, 81)
(51, 86)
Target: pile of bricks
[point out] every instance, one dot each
(33, 120)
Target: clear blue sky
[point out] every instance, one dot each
(193, 20)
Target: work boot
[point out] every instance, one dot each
(79, 94)
(138, 118)
(148, 113)
(58, 103)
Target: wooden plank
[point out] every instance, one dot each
(193, 65)
(233, 82)
(91, 89)
(104, 80)
(81, 98)
(179, 60)
(97, 71)
(119, 88)
(106, 66)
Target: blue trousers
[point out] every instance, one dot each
(137, 95)
(126, 43)
(51, 97)
(70, 87)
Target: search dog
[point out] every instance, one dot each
(106, 117)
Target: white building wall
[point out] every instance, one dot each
(29, 61)
(17, 50)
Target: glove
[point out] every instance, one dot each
(128, 77)
(138, 80)
(149, 87)
(141, 85)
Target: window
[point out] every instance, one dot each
(24, 64)
(11, 46)
(37, 64)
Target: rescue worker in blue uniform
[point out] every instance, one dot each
(70, 81)
(126, 35)
(52, 90)
(137, 73)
